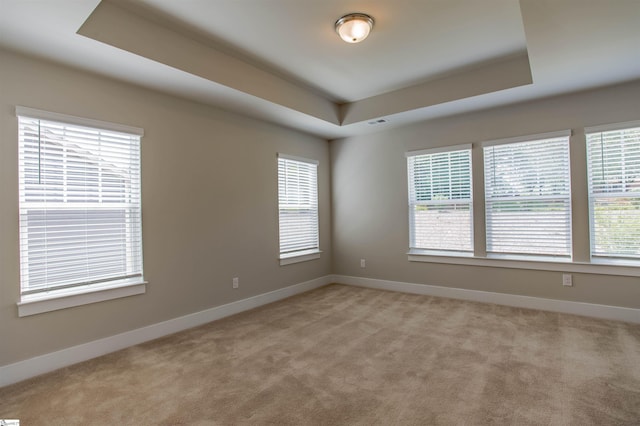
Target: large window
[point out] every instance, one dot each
(80, 218)
(527, 218)
(298, 208)
(613, 159)
(440, 209)
(528, 197)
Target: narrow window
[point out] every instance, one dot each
(80, 213)
(298, 208)
(440, 200)
(613, 164)
(528, 198)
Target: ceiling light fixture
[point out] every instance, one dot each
(354, 27)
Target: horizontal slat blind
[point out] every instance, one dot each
(613, 159)
(80, 218)
(298, 206)
(528, 198)
(440, 213)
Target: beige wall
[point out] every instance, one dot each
(210, 208)
(369, 197)
(209, 200)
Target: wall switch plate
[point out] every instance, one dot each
(567, 280)
(363, 263)
(236, 282)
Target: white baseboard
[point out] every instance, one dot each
(616, 313)
(32, 367)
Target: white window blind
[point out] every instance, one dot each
(613, 158)
(298, 206)
(80, 214)
(528, 197)
(440, 200)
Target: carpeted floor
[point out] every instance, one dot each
(355, 356)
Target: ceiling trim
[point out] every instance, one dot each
(115, 26)
(124, 29)
(492, 77)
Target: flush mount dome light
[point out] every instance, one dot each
(354, 27)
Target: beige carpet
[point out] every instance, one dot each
(354, 356)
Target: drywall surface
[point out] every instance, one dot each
(209, 205)
(370, 206)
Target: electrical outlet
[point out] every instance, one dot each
(236, 282)
(363, 263)
(567, 280)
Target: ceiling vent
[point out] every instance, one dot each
(378, 121)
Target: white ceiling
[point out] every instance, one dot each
(413, 40)
(280, 60)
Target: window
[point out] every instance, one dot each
(298, 209)
(80, 214)
(440, 209)
(613, 165)
(528, 197)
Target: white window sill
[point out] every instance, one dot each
(542, 264)
(298, 257)
(77, 296)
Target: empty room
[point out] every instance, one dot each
(301, 212)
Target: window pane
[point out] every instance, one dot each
(528, 198)
(298, 206)
(613, 159)
(80, 220)
(440, 213)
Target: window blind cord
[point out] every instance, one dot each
(602, 155)
(39, 155)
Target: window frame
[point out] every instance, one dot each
(33, 301)
(310, 252)
(567, 198)
(578, 263)
(605, 259)
(413, 249)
